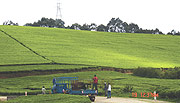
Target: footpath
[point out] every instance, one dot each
(125, 100)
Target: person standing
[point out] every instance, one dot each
(109, 91)
(43, 90)
(95, 82)
(54, 81)
(105, 88)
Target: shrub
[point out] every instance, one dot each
(169, 94)
(166, 92)
(148, 72)
(128, 88)
(171, 73)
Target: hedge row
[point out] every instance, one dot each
(166, 92)
(171, 73)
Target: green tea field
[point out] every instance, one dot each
(38, 53)
(88, 48)
(33, 84)
(56, 98)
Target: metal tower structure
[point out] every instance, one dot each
(58, 14)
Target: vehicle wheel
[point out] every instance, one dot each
(92, 98)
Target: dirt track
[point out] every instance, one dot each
(125, 100)
(15, 74)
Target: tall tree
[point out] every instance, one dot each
(115, 25)
(76, 26)
(133, 28)
(85, 27)
(9, 22)
(93, 27)
(102, 28)
(46, 22)
(59, 23)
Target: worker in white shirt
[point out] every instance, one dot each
(109, 91)
(43, 90)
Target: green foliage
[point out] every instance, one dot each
(55, 98)
(148, 72)
(173, 32)
(128, 88)
(9, 22)
(75, 26)
(85, 27)
(169, 93)
(171, 73)
(119, 81)
(102, 28)
(45, 22)
(117, 25)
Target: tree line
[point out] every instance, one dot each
(45, 22)
(9, 22)
(114, 25)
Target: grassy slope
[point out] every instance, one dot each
(99, 48)
(84, 47)
(57, 98)
(13, 53)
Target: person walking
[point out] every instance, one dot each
(109, 91)
(43, 90)
(95, 82)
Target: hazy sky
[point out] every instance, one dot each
(148, 14)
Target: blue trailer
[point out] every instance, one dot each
(71, 85)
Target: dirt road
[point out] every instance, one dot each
(125, 100)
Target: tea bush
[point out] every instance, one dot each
(171, 73)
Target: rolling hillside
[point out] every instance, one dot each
(31, 56)
(121, 50)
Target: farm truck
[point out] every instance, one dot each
(71, 85)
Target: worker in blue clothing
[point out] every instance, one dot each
(54, 81)
(105, 88)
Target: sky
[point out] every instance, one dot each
(148, 14)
